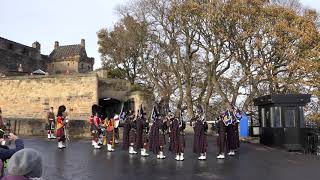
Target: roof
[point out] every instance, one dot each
(39, 71)
(67, 51)
(272, 99)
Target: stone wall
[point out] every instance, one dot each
(31, 97)
(114, 88)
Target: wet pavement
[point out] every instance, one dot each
(80, 162)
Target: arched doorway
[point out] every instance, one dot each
(110, 107)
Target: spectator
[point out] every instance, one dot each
(6, 153)
(25, 165)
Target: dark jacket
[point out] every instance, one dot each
(7, 153)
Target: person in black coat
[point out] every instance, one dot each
(158, 137)
(200, 142)
(221, 139)
(177, 139)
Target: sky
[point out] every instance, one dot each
(66, 21)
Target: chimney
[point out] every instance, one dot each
(83, 43)
(56, 44)
(36, 45)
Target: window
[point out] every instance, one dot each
(81, 66)
(89, 67)
(290, 117)
(68, 64)
(277, 117)
(301, 117)
(25, 51)
(10, 46)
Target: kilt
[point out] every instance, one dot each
(221, 142)
(109, 136)
(144, 138)
(177, 144)
(182, 142)
(231, 144)
(162, 139)
(60, 134)
(51, 125)
(132, 136)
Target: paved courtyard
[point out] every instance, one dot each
(80, 162)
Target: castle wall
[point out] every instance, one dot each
(12, 54)
(30, 97)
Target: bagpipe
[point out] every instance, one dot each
(66, 128)
(228, 118)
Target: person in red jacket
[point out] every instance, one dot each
(61, 122)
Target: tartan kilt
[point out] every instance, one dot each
(132, 136)
(60, 134)
(182, 141)
(145, 138)
(109, 136)
(162, 140)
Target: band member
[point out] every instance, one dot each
(61, 122)
(116, 128)
(221, 139)
(229, 116)
(126, 130)
(177, 140)
(95, 126)
(157, 134)
(142, 131)
(132, 134)
(200, 143)
(51, 123)
(109, 124)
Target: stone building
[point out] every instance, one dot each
(19, 59)
(69, 58)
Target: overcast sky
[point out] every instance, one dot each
(66, 21)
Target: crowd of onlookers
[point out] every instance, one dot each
(17, 163)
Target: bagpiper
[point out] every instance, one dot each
(177, 140)
(61, 123)
(229, 120)
(142, 131)
(132, 134)
(221, 139)
(200, 143)
(116, 119)
(94, 121)
(109, 125)
(157, 134)
(51, 124)
(126, 129)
